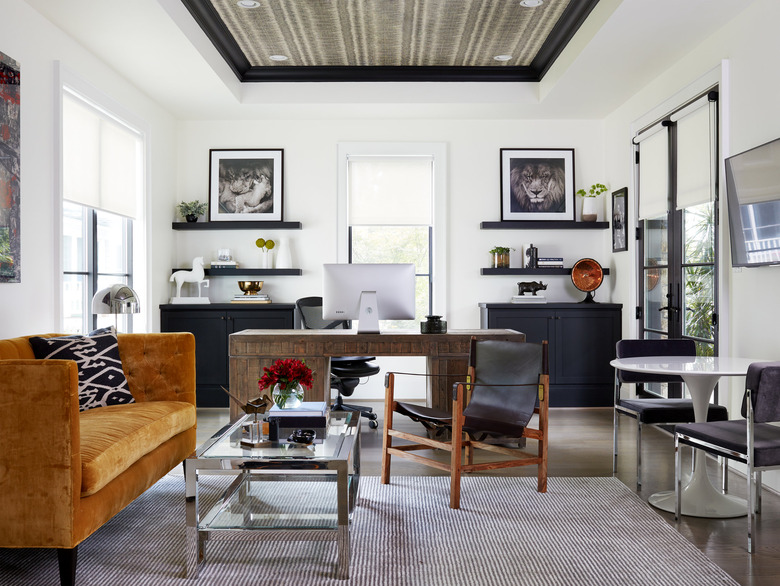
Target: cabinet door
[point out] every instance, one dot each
(587, 344)
(211, 366)
(273, 319)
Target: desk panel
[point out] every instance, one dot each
(251, 350)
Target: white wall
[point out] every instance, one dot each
(32, 306)
(750, 115)
(310, 177)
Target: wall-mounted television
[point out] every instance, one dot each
(753, 196)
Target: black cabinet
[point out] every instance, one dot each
(211, 325)
(582, 338)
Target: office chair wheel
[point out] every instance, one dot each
(372, 423)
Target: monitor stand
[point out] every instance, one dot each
(368, 322)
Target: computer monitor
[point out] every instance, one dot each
(368, 293)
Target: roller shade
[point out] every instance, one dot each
(101, 159)
(386, 190)
(696, 156)
(653, 172)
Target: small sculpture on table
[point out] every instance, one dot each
(530, 287)
(258, 405)
(196, 275)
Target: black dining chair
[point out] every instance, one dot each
(345, 371)
(754, 440)
(652, 410)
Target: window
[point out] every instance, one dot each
(390, 195)
(102, 179)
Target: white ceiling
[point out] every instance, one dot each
(158, 47)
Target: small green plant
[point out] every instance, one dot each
(500, 250)
(595, 189)
(192, 208)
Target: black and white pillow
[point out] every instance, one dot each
(101, 379)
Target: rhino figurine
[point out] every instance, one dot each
(530, 287)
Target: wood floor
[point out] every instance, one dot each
(581, 445)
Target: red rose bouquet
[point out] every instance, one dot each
(286, 376)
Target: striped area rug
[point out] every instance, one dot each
(582, 531)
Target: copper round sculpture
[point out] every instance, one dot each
(587, 275)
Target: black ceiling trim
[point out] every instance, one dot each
(207, 18)
(570, 22)
(388, 74)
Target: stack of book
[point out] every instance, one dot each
(257, 298)
(550, 262)
(309, 415)
(528, 299)
(224, 264)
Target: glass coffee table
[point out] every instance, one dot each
(271, 492)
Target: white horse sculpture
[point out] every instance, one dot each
(196, 275)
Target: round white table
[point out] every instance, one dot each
(701, 374)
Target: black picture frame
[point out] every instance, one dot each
(10, 171)
(537, 184)
(620, 220)
(246, 185)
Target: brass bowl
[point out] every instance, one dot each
(250, 287)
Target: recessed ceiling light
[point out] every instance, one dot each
(502, 57)
(248, 3)
(531, 3)
(278, 57)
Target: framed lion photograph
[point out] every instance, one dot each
(537, 184)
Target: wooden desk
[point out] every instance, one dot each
(251, 350)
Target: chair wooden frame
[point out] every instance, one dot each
(460, 445)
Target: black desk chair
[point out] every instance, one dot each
(754, 441)
(345, 371)
(653, 411)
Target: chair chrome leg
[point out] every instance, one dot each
(751, 504)
(638, 454)
(614, 441)
(677, 479)
(724, 473)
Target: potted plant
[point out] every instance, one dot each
(589, 203)
(500, 257)
(287, 377)
(190, 210)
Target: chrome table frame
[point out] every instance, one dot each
(271, 463)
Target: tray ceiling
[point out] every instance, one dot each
(389, 40)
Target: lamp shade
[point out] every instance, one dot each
(116, 299)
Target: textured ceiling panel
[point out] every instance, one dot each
(330, 37)
(390, 33)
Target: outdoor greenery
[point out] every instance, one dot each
(699, 276)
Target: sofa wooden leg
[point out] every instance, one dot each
(67, 561)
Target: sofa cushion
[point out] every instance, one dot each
(113, 438)
(101, 378)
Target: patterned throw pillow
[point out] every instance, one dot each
(101, 379)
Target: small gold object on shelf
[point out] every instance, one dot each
(250, 287)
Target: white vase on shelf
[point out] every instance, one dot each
(590, 211)
(284, 256)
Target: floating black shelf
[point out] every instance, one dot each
(236, 225)
(544, 225)
(563, 271)
(239, 272)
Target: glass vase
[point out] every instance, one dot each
(500, 260)
(288, 397)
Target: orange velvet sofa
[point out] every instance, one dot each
(64, 473)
